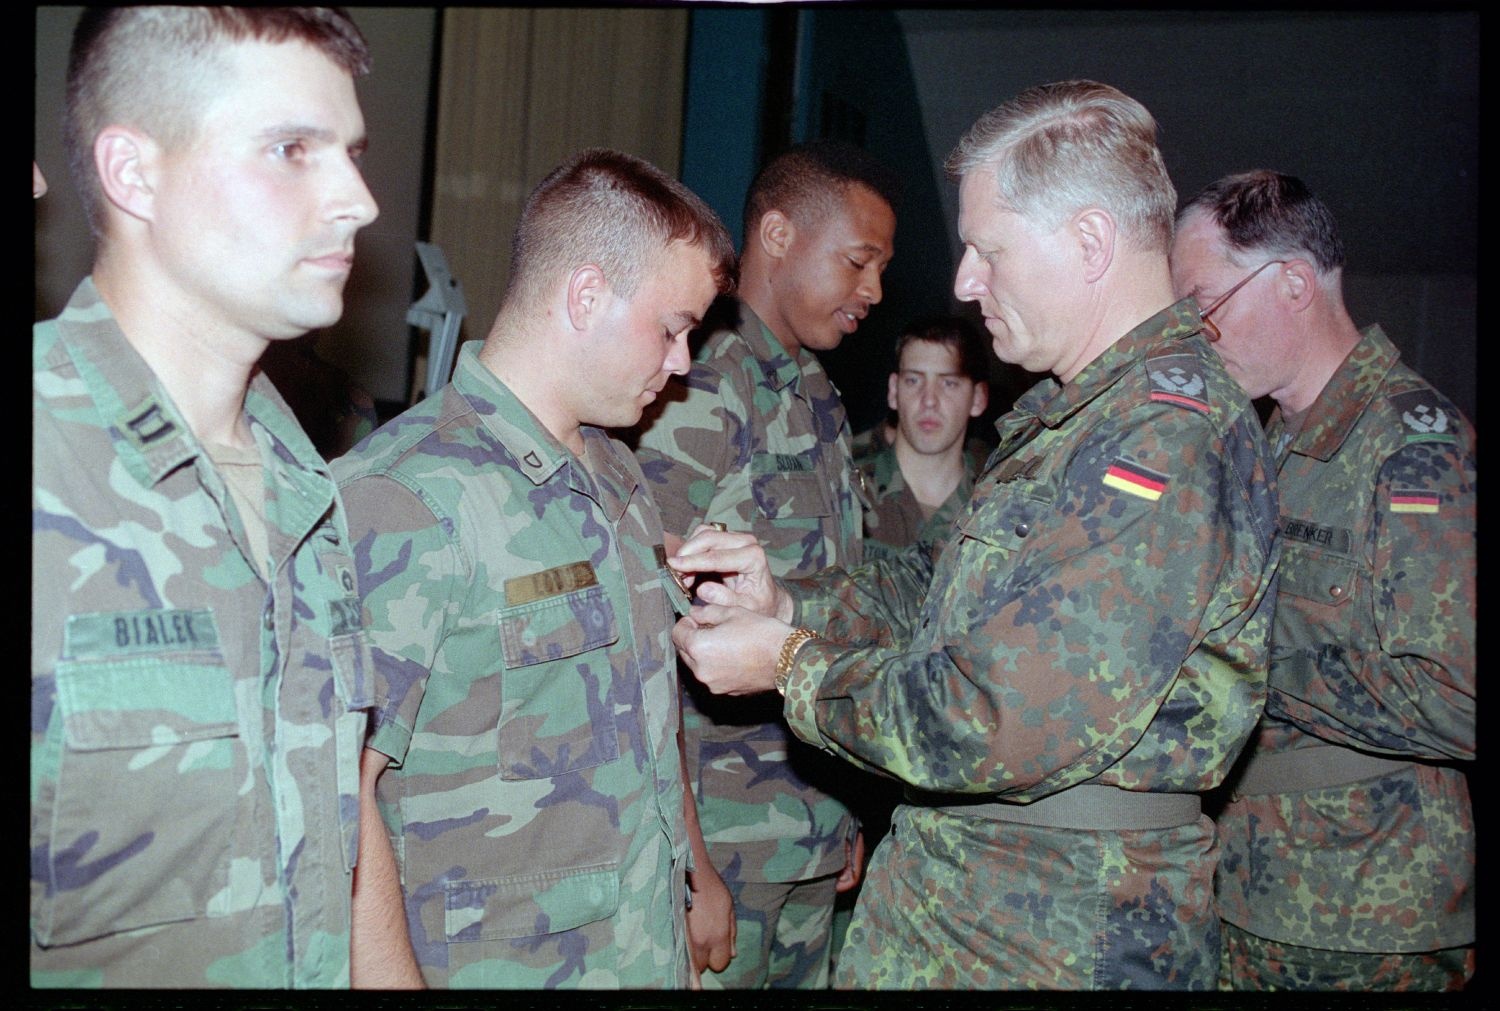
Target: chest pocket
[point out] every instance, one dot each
(984, 564)
(1007, 520)
(786, 487)
(1314, 599)
(555, 711)
(137, 807)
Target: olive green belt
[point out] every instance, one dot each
(1091, 807)
(1312, 768)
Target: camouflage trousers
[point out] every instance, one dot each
(959, 902)
(782, 937)
(1250, 962)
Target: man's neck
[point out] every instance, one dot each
(1332, 337)
(533, 378)
(934, 477)
(1139, 287)
(755, 292)
(206, 373)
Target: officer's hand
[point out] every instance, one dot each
(732, 651)
(739, 563)
(710, 921)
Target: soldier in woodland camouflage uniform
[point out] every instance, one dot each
(1349, 838)
(757, 439)
(512, 567)
(938, 384)
(1089, 649)
(199, 674)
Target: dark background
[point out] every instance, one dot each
(1377, 111)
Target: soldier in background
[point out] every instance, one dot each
(1348, 840)
(199, 674)
(913, 485)
(512, 565)
(757, 439)
(918, 482)
(1088, 651)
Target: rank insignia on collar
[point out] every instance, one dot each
(1414, 500)
(147, 423)
(1133, 479)
(1175, 379)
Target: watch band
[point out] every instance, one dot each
(789, 649)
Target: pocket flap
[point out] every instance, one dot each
(1004, 521)
(794, 494)
(557, 627)
(138, 702)
(487, 909)
(354, 670)
(1313, 576)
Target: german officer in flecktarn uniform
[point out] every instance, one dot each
(1088, 652)
(1348, 839)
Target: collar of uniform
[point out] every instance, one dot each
(1053, 402)
(885, 472)
(151, 438)
(972, 468)
(537, 452)
(781, 369)
(611, 485)
(296, 465)
(1343, 400)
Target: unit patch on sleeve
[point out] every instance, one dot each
(1175, 379)
(1422, 420)
(1133, 479)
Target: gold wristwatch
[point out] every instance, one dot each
(789, 649)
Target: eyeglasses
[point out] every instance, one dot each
(1208, 325)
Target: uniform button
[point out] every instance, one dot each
(1022, 529)
(1335, 592)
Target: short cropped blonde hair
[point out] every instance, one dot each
(1058, 148)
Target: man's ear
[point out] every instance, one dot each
(980, 399)
(1297, 282)
(587, 294)
(1094, 229)
(126, 161)
(890, 391)
(776, 233)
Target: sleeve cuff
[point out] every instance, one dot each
(390, 739)
(808, 671)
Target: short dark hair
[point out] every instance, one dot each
(617, 211)
(151, 67)
(806, 182)
(955, 332)
(1263, 211)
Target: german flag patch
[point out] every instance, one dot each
(1414, 500)
(1133, 479)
